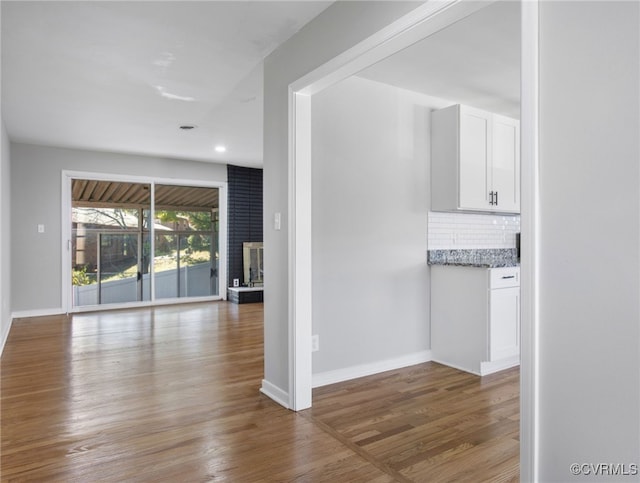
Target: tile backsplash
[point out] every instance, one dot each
(450, 231)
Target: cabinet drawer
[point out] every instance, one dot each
(504, 277)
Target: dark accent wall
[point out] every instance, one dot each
(244, 216)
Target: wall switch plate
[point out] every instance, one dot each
(236, 282)
(40, 228)
(277, 221)
(315, 343)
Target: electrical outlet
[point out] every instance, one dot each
(236, 282)
(315, 343)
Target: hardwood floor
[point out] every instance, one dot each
(428, 422)
(171, 394)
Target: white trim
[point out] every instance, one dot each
(105, 176)
(489, 367)
(65, 242)
(222, 240)
(418, 24)
(362, 370)
(300, 290)
(274, 392)
(5, 336)
(19, 314)
(486, 367)
(245, 289)
(69, 175)
(530, 229)
(152, 243)
(421, 22)
(455, 366)
(145, 303)
(107, 307)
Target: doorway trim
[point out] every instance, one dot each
(66, 204)
(417, 25)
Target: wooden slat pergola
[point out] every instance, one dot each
(96, 193)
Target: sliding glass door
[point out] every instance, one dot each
(186, 257)
(113, 258)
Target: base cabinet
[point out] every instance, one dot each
(475, 317)
(504, 323)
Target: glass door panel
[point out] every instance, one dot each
(118, 275)
(186, 251)
(109, 242)
(197, 272)
(165, 263)
(183, 265)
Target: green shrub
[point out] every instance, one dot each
(80, 277)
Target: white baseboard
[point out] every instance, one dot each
(5, 336)
(486, 367)
(353, 372)
(500, 365)
(457, 366)
(274, 392)
(37, 313)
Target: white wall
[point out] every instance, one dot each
(335, 30)
(5, 246)
(36, 199)
(589, 238)
(370, 196)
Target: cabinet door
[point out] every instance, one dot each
(475, 152)
(505, 163)
(504, 323)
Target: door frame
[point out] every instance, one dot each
(66, 290)
(417, 25)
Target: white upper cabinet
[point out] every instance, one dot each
(505, 167)
(475, 161)
(474, 145)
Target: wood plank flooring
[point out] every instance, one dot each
(171, 394)
(428, 422)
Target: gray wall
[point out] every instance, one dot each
(589, 229)
(338, 28)
(36, 198)
(370, 200)
(5, 247)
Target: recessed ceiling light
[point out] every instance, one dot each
(220, 149)
(187, 127)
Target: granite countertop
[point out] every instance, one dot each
(483, 257)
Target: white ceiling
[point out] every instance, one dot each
(123, 76)
(475, 61)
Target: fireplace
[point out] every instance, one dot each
(252, 258)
